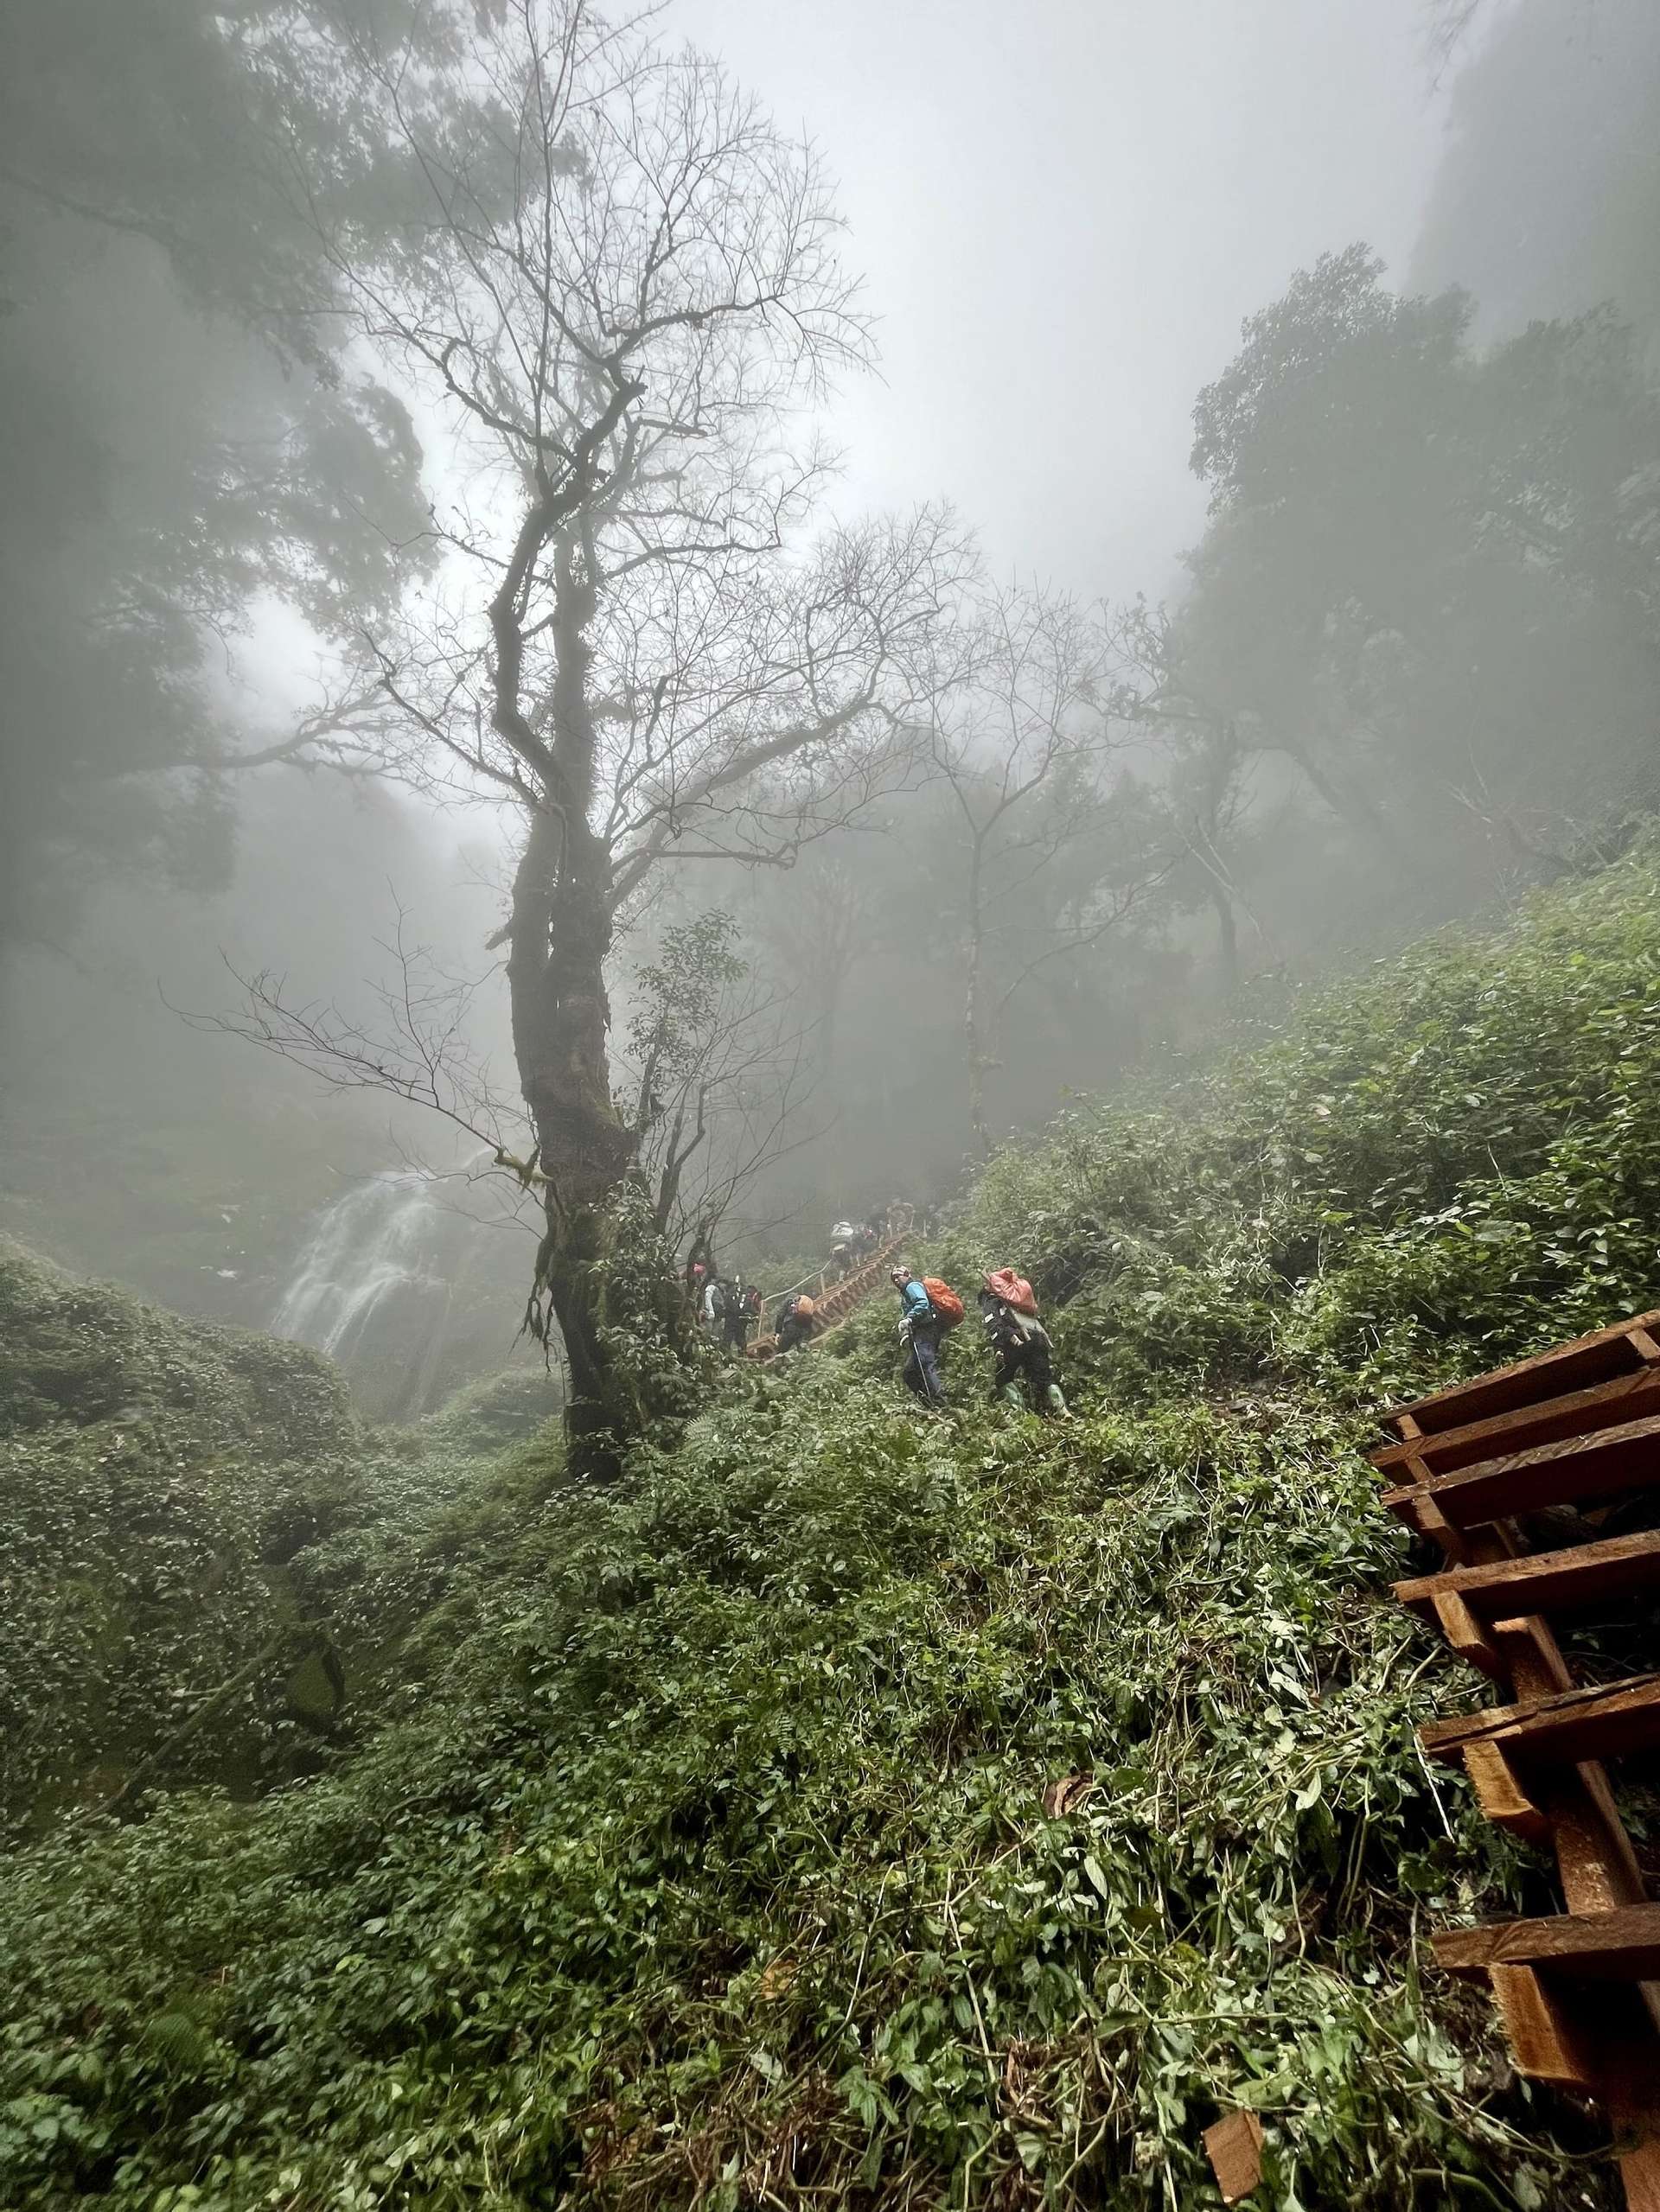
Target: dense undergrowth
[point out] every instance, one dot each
(867, 1809)
(206, 1561)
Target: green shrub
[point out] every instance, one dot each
(718, 1859)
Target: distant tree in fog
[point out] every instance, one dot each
(1432, 577)
(1203, 795)
(720, 1075)
(1051, 851)
(182, 437)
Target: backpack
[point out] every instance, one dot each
(1013, 1288)
(947, 1306)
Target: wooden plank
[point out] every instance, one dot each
(1501, 1797)
(1595, 1358)
(1463, 1631)
(1623, 1458)
(1544, 2038)
(1639, 2169)
(1234, 2146)
(1623, 1946)
(1434, 1523)
(1472, 1462)
(1602, 1722)
(1604, 1404)
(1543, 1581)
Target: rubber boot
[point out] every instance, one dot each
(1056, 1404)
(1010, 1395)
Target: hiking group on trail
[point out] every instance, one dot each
(930, 1309)
(727, 1310)
(1022, 1369)
(853, 1242)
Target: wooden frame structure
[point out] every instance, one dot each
(834, 1302)
(1579, 1992)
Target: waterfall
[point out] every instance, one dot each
(365, 1247)
(389, 1269)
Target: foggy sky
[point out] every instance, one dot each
(1064, 209)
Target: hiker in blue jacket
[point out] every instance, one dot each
(919, 1327)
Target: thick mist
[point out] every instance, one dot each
(1245, 557)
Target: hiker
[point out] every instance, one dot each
(927, 1308)
(752, 1309)
(711, 1311)
(1020, 1342)
(793, 1324)
(700, 1267)
(841, 1250)
(737, 1314)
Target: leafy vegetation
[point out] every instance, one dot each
(1419, 1179)
(859, 1807)
(205, 1557)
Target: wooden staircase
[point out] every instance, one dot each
(834, 1302)
(1575, 1427)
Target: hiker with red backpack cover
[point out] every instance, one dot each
(1020, 1344)
(1012, 1288)
(927, 1309)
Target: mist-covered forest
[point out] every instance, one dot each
(639, 644)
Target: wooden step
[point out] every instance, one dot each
(1603, 1721)
(1623, 1946)
(1604, 1404)
(1623, 1458)
(1589, 1360)
(1543, 1581)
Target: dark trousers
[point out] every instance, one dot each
(923, 1368)
(1023, 1362)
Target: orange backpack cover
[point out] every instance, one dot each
(1014, 1290)
(944, 1300)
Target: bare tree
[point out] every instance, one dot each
(626, 297)
(1446, 24)
(1025, 747)
(717, 1073)
(416, 1045)
(1204, 793)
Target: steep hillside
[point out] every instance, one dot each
(865, 1809)
(205, 1562)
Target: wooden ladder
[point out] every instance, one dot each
(834, 1303)
(1579, 1992)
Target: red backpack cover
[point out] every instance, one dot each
(947, 1305)
(1014, 1290)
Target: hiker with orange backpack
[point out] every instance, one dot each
(927, 1309)
(794, 1325)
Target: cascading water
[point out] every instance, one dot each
(367, 1246)
(403, 1284)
